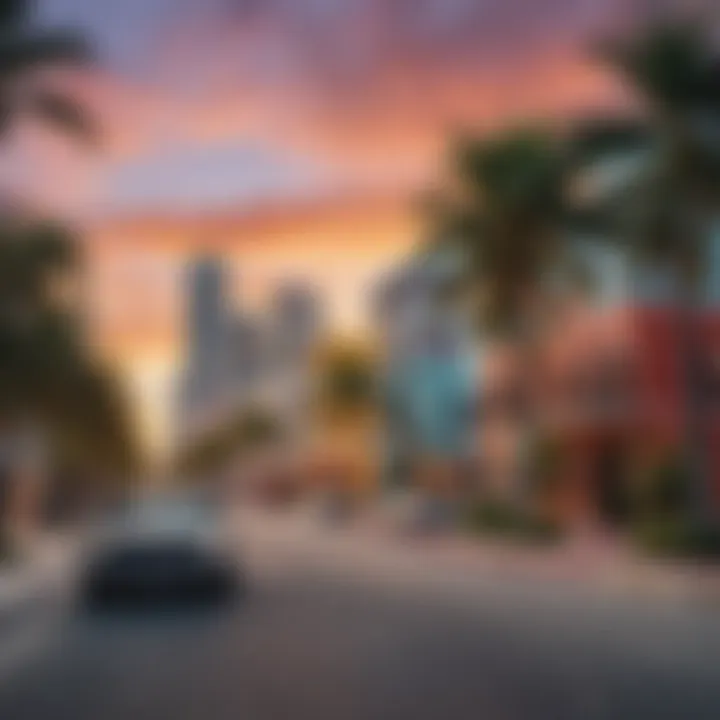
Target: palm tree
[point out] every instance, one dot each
(35, 321)
(346, 384)
(24, 51)
(249, 430)
(29, 324)
(52, 391)
(35, 257)
(346, 406)
(509, 210)
(665, 201)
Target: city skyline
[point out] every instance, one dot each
(328, 117)
(294, 135)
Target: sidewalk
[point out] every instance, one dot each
(585, 564)
(591, 561)
(44, 561)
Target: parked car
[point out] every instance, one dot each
(161, 556)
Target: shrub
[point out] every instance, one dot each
(663, 527)
(249, 430)
(505, 520)
(664, 490)
(9, 551)
(544, 467)
(679, 539)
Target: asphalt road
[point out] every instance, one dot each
(320, 640)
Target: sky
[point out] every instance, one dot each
(290, 135)
(212, 102)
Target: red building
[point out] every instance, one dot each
(611, 388)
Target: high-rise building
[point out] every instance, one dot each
(246, 353)
(295, 323)
(205, 338)
(234, 360)
(206, 311)
(294, 326)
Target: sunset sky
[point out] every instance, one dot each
(288, 134)
(206, 103)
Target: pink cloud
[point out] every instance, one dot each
(370, 88)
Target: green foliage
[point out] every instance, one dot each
(663, 525)
(211, 453)
(24, 50)
(666, 209)
(97, 431)
(671, 64)
(8, 546)
(516, 173)
(501, 519)
(680, 539)
(517, 198)
(514, 204)
(13, 13)
(508, 211)
(48, 375)
(34, 258)
(664, 489)
(545, 463)
(347, 381)
(255, 427)
(206, 456)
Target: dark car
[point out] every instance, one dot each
(160, 564)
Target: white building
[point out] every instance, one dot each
(233, 360)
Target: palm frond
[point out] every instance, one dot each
(54, 246)
(64, 113)
(13, 13)
(671, 64)
(595, 139)
(25, 52)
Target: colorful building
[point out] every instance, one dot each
(610, 386)
(427, 354)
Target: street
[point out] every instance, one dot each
(350, 632)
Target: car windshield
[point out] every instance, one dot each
(157, 554)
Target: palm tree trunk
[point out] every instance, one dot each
(526, 423)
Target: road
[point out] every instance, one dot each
(344, 632)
